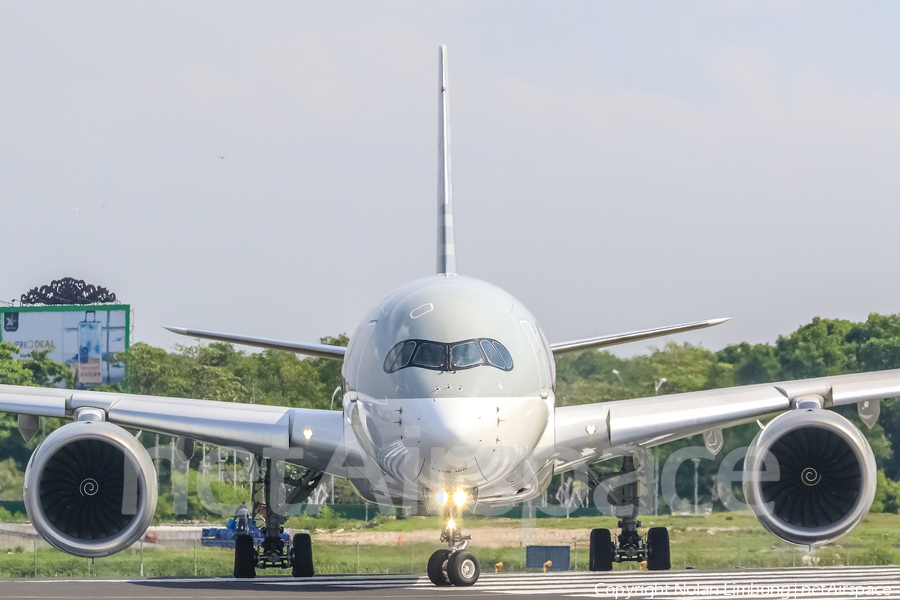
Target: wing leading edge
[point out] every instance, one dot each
(307, 436)
(633, 336)
(318, 350)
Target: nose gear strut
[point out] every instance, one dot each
(453, 565)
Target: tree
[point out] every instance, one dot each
(48, 373)
(13, 370)
(751, 363)
(329, 370)
(153, 372)
(817, 349)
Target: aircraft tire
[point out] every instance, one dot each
(601, 555)
(463, 568)
(244, 556)
(437, 568)
(302, 556)
(658, 549)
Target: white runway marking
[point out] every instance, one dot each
(808, 583)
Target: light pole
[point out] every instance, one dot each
(616, 373)
(657, 384)
(696, 485)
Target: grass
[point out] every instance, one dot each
(720, 540)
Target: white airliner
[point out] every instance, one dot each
(448, 403)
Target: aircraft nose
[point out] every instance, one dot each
(441, 437)
(451, 427)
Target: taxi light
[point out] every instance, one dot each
(460, 497)
(307, 433)
(451, 524)
(441, 498)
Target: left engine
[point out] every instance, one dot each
(90, 489)
(809, 476)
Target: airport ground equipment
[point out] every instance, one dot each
(223, 537)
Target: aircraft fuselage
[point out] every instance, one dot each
(449, 382)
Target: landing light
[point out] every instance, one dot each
(591, 429)
(460, 497)
(307, 433)
(451, 524)
(441, 498)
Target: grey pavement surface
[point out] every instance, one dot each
(864, 583)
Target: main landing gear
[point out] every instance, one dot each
(453, 565)
(277, 549)
(630, 545)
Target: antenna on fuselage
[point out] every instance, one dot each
(446, 243)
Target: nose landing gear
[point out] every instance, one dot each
(453, 565)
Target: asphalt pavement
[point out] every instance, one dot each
(809, 583)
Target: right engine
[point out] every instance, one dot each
(90, 489)
(809, 476)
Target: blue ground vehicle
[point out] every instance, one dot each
(223, 537)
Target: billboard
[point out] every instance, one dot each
(84, 337)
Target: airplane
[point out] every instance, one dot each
(448, 403)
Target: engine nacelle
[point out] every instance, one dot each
(809, 476)
(90, 489)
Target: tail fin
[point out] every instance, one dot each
(446, 243)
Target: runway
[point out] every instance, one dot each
(810, 583)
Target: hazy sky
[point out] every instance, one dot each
(616, 165)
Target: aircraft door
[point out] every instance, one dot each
(539, 355)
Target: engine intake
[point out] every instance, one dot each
(809, 476)
(90, 489)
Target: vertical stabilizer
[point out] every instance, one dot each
(446, 244)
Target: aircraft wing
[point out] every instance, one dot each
(586, 431)
(319, 350)
(255, 428)
(632, 336)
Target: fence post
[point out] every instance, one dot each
(576, 555)
(357, 548)
(195, 558)
(34, 547)
(142, 557)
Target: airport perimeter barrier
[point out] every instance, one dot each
(363, 512)
(13, 506)
(158, 560)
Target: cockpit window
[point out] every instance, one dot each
(399, 356)
(430, 355)
(492, 355)
(465, 354)
(505, 354)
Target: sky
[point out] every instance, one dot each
(270, 169)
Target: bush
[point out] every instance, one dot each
(8, 517)
(887, 495)
(328, 519)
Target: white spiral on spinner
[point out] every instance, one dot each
(810, 476)
(89, 487)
